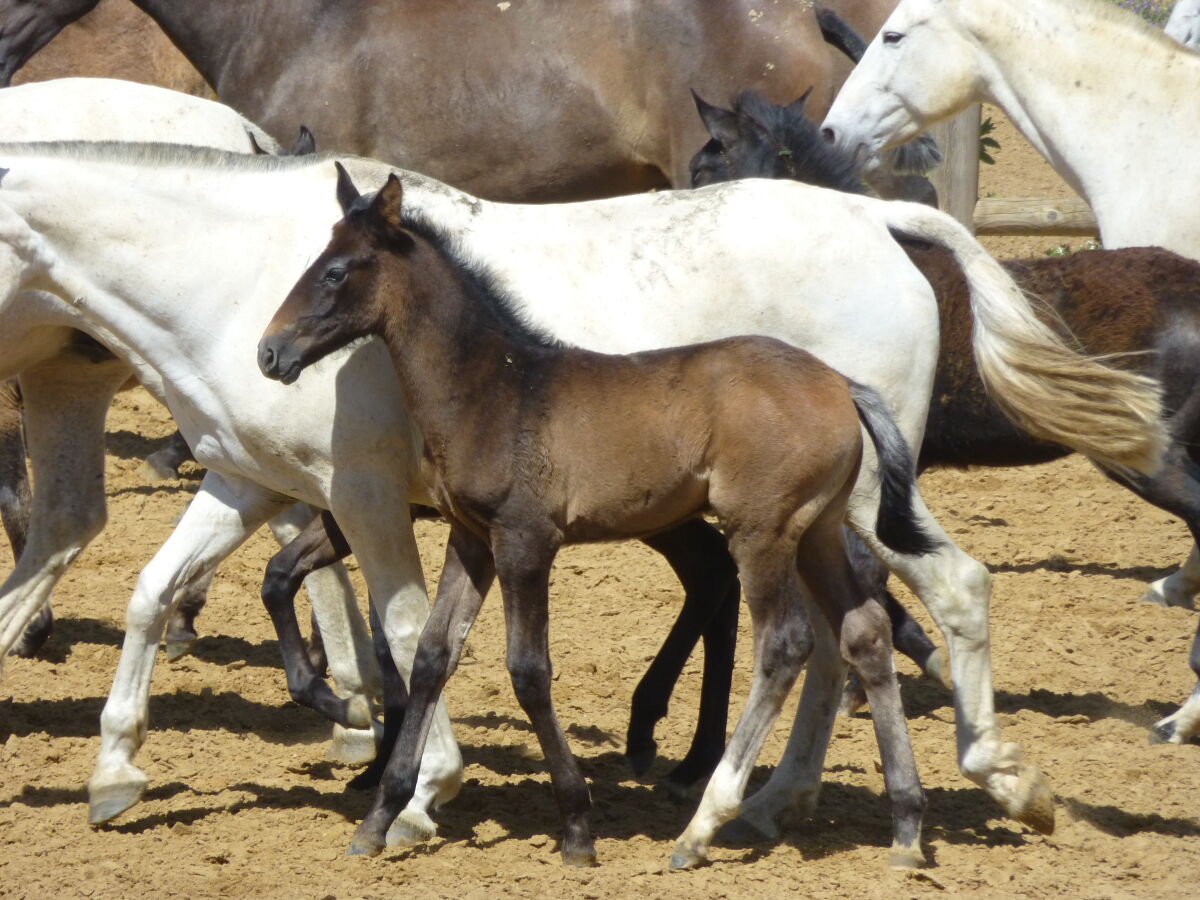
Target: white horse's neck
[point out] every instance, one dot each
(1091, 90)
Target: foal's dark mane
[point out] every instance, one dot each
(488, 295)
(798, 142)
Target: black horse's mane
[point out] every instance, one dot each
(797, 141)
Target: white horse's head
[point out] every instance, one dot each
(921, 67)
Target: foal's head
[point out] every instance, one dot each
(339, 297)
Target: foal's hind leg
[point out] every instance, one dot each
(700, 558)
(783, 641)
(865, 641)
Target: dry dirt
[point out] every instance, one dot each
(242, 802)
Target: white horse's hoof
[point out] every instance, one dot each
(1032, 801)
(109, 796)
(410, 828)
(352, 746)
(902, 857)
(688, 856)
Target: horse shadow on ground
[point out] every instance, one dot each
(219, 649)
(922, 697)
(1055, 563)
(180, 710)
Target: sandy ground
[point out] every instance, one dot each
(243, 803)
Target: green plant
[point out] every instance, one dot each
(986, 142)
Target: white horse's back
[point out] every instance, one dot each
(104, 109)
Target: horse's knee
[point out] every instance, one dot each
(960, 604)
(530, 680)
(786, 648)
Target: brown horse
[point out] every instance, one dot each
(530, 445)
(535, 100)
(1139, 305)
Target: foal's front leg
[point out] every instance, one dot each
(523, 563)
(466, 577)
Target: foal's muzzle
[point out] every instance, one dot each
(277, 359)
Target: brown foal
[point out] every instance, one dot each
(530, 445)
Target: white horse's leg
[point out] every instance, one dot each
(352, 662)
(1183, 725)
(65, 405)
(220, 517)
(382, 538)
(1180, 587)
(956, 590)
(795, 784)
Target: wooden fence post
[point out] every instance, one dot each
(957, 178)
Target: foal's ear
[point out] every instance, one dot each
(347, 193)
(385, 208)
(721, 123)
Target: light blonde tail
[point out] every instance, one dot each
(1112, 416)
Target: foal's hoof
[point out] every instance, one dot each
(352, 746)
(108, 799)
(688, 856)
(902, 857)
(410, 828)
(1033, 802)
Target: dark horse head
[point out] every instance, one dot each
(26, 26)
(757, 139)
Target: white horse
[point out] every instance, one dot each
(814, 267)
(1183, 24)
(66, 393)
(1105, 97)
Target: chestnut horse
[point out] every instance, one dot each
(1140, 305)
(759, 433)
(537, 100)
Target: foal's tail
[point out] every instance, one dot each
(897, 524)
(1050, 390)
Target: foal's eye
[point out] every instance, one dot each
(334, 276)
(892, 37)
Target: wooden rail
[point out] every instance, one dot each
(1033, 216)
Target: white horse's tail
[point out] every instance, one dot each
(1112, 416)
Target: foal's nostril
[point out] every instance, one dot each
(266, 358)
(828, 134)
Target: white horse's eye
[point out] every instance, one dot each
(892, 37)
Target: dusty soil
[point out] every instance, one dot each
(242, 802)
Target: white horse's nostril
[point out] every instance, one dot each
(829, 135)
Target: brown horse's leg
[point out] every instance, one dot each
(316, 546)
(466, 577)
(698, 554)
(866, 645)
